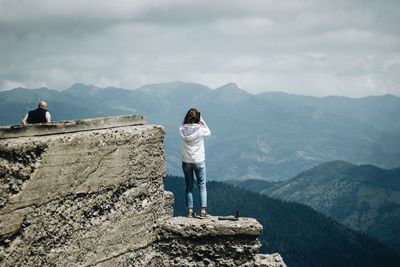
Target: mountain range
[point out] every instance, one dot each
(363, 197)
(303, 236)
(270, 136)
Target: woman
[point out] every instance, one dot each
(193, 131)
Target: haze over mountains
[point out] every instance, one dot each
(269, 136)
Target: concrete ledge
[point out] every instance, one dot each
(60, 127)
(208, 242)
(211, 226)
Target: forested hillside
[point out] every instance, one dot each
(363, 197)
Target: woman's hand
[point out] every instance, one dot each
(203, 122)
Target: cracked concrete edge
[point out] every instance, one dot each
(60, 127)
(211, 226)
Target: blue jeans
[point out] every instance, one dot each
(200, 170)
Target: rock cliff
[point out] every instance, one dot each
(90, 193)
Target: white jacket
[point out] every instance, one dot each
(193, 141)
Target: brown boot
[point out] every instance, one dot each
(190, 213)
(203, 212)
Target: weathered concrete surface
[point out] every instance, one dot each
(96, 198)
(269, 260)
(16, 131)
(208, 242)
(211, 242)
(210, 226)
(81, 198)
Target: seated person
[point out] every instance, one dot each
(39, 115)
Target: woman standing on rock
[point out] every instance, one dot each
(193, 131)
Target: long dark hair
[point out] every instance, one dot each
(192, 116)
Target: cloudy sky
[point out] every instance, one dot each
(341, 47)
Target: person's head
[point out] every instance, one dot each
(43, 105)
(192, 116)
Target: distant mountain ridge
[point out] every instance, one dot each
(270, 136)
(365, 197)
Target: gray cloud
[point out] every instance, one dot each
(306, 47)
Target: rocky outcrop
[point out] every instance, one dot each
(90, 193)
(209, 242)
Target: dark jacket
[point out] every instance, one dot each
(37, 116)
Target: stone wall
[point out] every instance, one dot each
(90, 193)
